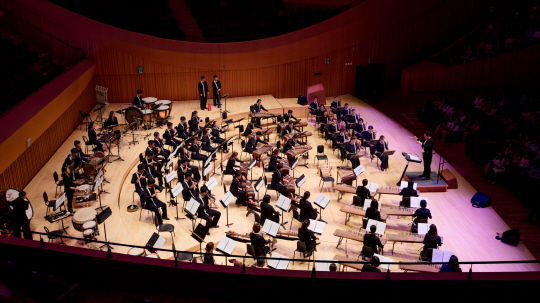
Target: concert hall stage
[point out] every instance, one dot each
(430, 185)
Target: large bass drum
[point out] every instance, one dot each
(132, 113)
(12, 194)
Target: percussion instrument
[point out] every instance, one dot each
(88, 233)
(82, 216)
(132, 113)
(147, 115)
(89, 169)
(120, 127)
(90, 225)
(164, 102)
(135, 251)
(153, 255)
(106, 138)
(163, 112)
(149, 102)
(13, 194)
(57, 216)
(83, 189)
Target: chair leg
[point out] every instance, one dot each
(294, 255)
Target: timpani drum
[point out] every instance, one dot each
(89, 225)
(162, 112)
(133, 114)
(89, 169)
(153, 255)
(147, 113)
(12, 194)
(149, 102)
(135, 251)
(82, 216)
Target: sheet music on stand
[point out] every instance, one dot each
(209, 159)
(170, 176)
(211, 183)
(100, 173)
(227, 199)
(250, 166)
(423, 228)
(173, 154)
(207, 169)
(316, 226)
(324, 266)
(59, 201)
(278, 264)
(372, 187)
(441, 255)
(169, 164)
(415, 201)
(155, 242)
(301, 180)
(97, 183)
(367, 203)
(322, 201)
(192, 207)
(358, 170)
(283, 203)
(176, 190)
(293, 166)
(405, 184)
(226, 245)
(384, 259)
(381, 226)
(258, 184)
(270, 228)
(413, 157)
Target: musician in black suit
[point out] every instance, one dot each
(157, 159)
(274, 160)
(208, 257)
(334, 105)
(252, 143)
(216, 91)
(288, 128)
(137, 101)
(159, 144)
(216, 131)
(203, 92)
(195, 148)
(359, 127)
(314, 106)
(409, 191)
(19, 217)
(170, 133)
(189, 187)
(93, 138)
(251, 126)
(205, 142)
(268, 211)
(427, 146)
(372, 266)
(368, 136)
(352, 119)
(111, 121)
(73, 157)
(231, 164)
(332, 129)
(80, 154)
(70, 185)
(182, 128)
(372, 212)
(308, 237)
(363, 192)
(288, 116)
(236, 189)
(380, 148)
(324, 119)
(256, 108)
(371, 240)
(258, 242)
(345, 112)
(339, 140)
(277, 181)
(211, 216)
(151, 166)
(432, 239)
(139, 179)
(153, 203)
(184, 168)
(422, 213)
(291, 143)
(194, 122)
(351, 150)
(306, 209)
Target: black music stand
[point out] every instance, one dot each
(224, 103)
(301, 180)
(118, 137)
(387, 153)
(199, 234)
(101, 217)
(405, 170)
(137, 126)
(225, 201)
(258, 184)
(250, 166)
(441, 167)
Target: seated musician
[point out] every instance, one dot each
(137, 101)
(380, 148)
(422, 213)
(306, 209)
(153, 203)
(211, 216)
(277, 181)
(274, 161)
(189, 187)
(287, 117)
(368, 136)
(231, 164)
(111, 121)
(308, 237)
(408, 191)
(351, 149)
(372, 266)
(432, 239)
(216, 131)
(195, 154)
(140, 178)
(182, 128)
(332, 267)
(288, 129)
(206, 144)
(359, 127)
(93, 138)
(184, 167)
(324, 119)
(314, 106)
(151, 167)
(237, 189)
(371, 240)
(208, 256)
(268, 211)
(81, 155)
(363, 192)
(452, 265)
(334, 105)
(250, 127)
(158, 145)
(158, 158)
(73, 158)
(320, 112)
(258, 242)
(194, 122)
(372, 212)
(252, 143)
(339, 140)
(352, 119)
(346, 111)
(332, 129)
(170, 132)
(256, 108)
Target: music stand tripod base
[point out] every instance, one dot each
(132, 208)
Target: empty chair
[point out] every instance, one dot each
(52, 235)
(49, 204)
(319, 157)
(301, 248)
(58, 182)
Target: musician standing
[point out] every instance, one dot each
(203, 92)
(216, 91)
(70, 185)
(308, 237)
(258, 242)
(351, 150)
(427, 146)
(363, 192)
(380, 148)
(137, 101)
(268, 211)
(20, 219)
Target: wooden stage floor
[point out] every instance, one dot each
(468, 232)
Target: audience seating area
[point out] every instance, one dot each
(153, 18)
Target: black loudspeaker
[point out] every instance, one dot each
(481, 200)
(302, 100)
(224, 115)
(511, 237)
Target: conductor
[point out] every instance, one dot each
(427, 146)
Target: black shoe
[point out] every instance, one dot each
(166, 219)
(208, 234)
(217, 226)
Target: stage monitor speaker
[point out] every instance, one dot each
(369, 80)
(302, 100)
(481, 200)
(224, 115)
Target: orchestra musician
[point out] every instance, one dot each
(408, 191)
(211, 216)
(268, 211)
(277, 181)
(258, 242)
(74, 156)
(208, 256)
(93, 138)
(152, 149)
(182, 128)
(169, 136)
(432, 239)
(20, 219)
(236, 189)
(231, 164)
(80, 154)
(216, 91)
(308, 237)
(184, 168)
(352, 119)
(339, 140)
(368, 136)
(306, 209)
(287, 117)
(363, 192)
(332, 129)
(139, 179)
(251, 126)
(252, 143)
(360, 127)
(153, 203)
(380, 148)
(290, 145)
(314, 106)
(274, 160)
(111, 121)
(70, 185)
(345, 112)
(352, 150)
(422, 213)
(202, 86)
(371, 240)
(289, 128)
(206, 145)
(195, 154)
(158, 145)
(256, 108)
(324, 119)
(150, 166)
(427, 155)
(372, 212)
(137, 101)
(216, 131)
(372, 266)
(189, 186)
(335, 104)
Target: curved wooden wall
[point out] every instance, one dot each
(394, 32)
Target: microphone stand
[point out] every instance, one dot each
(118, 138)
(441, 167)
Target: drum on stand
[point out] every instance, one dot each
(132, 114)
(167, 103)
(82, 216)
(153, 255)
(163, 112)
(89, 169)
(147, 115)
(13, 194)
(149, 102)
(135, 251)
